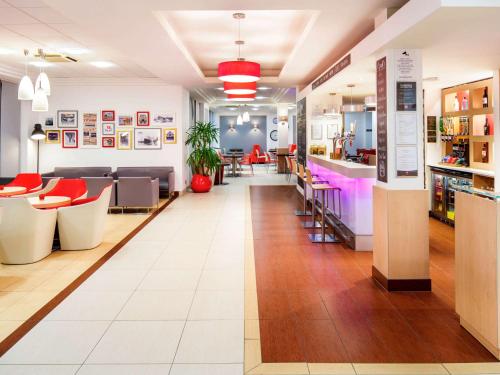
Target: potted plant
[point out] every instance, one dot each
(203, 158)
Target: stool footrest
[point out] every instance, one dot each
(318, 238)
(311, 225)
(302, 213)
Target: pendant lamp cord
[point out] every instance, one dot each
(26, 53)
(239, 38)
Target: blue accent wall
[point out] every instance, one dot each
(364, 129)
(243, 136)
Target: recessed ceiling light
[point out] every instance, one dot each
(6, 51)
(263, 88)
(261, 97)
(102, 64)
(220, 88)
(40, 64)
(74, 51)
(232, 108)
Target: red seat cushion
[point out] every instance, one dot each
(30, 181)
(72, 188)
(84, 201)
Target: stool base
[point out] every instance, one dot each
(302, 213)
(318, 238)
(311, 225)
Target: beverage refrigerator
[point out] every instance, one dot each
(445, 182)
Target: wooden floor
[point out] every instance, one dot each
(318, 303)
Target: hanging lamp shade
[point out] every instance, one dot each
(246, 116)
(241, 98)
(239, 120)
(40, 102)
(25, 90)
(43, 82)
(239, 71)
(240, 88)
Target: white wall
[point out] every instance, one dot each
(125, 99)
(10, 111)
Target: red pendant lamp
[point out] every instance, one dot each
(241, 98)
(239, 70)
(240, 88)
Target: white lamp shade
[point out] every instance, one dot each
(246, 116)
(25, 90)
(40, 102)
(239, 120)
(43, 82)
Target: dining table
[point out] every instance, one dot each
(53, 201)
(8, 191)
(234, 156)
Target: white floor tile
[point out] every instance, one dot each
(228, 369)
(181, 260)
(56, 343)
(186, 279)
(157, 305)
(225, 259)
(210, 304)
(90, 305)
(138, 342)
(229, 279)
(215, 341)
(124, 370)
(38, 369)
(114, 280)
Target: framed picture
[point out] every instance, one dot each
(108, 142)
(163, 118)
(70, 138)
(67, 119)
(124, 139)
(147, 139)
(142, 119)
(170, 136)
(108, 115)
(49, 122)
(125, 120)
(53, 137)
(108, 128)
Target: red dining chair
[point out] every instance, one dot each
(71, 188)
(31, 181)
(270, 160)
(257, 156)
(292, 148)
(246, 161)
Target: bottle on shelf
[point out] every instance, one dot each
(456, 106)
(465, 103)
(486, 127)
(484, 153)
(485, 98)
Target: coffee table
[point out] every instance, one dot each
(12, 190)
(50, 202)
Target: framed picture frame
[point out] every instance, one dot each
(142, 118)
(67, 119)
(147, 139)
(125, 120)
(108, 128)
(70, 138)
(170, 136)
(52, 137)
(164, 119)
(107, 115)
(124, 139)
(108, 142)
(49, 122)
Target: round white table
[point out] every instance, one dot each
(50, 202)
(12, 190)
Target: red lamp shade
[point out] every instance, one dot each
(239, 71)
(240, 88)
(241, 98)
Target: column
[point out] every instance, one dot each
(400, 202)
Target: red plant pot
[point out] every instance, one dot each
(201, 184)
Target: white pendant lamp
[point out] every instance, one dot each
(25, 90)
(246, 116)
(40, 102)
(239, 120)
(43, 82)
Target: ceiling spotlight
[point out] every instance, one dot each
(102, 64)
(263, 88)
(220, 88)
(261, 97)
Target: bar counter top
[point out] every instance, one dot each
(482, 172)
(346, 168)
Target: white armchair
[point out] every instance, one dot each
(26, 233)
(50, 185)
(82, 227)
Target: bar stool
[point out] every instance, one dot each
(323, 188)
(301, 174)
(313, 224)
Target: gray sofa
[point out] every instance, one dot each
(165, 175)
(141, 192)
(77, 172)
(95, 185)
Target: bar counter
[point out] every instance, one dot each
(356, 181)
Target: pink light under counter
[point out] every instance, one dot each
(356, 195)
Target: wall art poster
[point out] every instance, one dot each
(381, 69)
(49, 122)
(70, 138)
(147, 139)
(125, 120)
(67, 119)
(108, 142)
(124, 139)
(89, 138)
(53, 136)
(108, 128)
(108, 115)
(170, 135)
(164, 118)
(142, 119)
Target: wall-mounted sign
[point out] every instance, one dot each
(406, 96)
(406, 128)
(337, 68)
(381, 68)
(316, 131)
(406, 161)
(431, 129)
(405, 66)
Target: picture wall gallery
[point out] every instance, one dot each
(141, 131)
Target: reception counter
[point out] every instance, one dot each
(356, 181)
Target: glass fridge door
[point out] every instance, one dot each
(454, 184)
(438, 188)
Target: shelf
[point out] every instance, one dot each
(470, 112)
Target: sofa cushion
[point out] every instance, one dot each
(78, 172)
(160, 173)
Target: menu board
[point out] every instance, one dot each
(406, 128)
(301, 134)
(406, 161)
(382, 119)
(406, 96)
